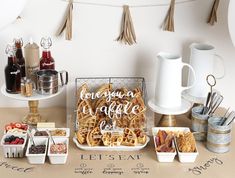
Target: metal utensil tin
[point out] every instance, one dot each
(199, 123)
(218, 137)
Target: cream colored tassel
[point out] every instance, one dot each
(67, 22)
(213, 14)
(168, 24)
(127, 34)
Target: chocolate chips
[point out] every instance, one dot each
(41, 133)
(37, 149)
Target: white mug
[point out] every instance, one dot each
(169, 80)
(203, 59)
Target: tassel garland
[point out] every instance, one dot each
(127, 34)
(67, 22)
(213, 14)
(168, 24)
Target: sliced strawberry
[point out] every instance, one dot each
(12, 124)
(24, 127)
(18, 125)
(7, 143)
(8, 127)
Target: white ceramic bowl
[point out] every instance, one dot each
(14, 151)
(37, 158)
(58, 158)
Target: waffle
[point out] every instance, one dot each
(84, 109)
(137, 121)
(83, 88)
(88, 123)
(129, 138)
(81, 135)
(94, 137)
(138, 100)
(112, 139)
(123, 122)
(104, 88)
(137, 91)
(141, 136)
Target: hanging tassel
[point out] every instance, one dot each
(127, 34)
(168, 24)
(213, 15)
(67, 22)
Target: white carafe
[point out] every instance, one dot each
(169, 80)
(203, 59)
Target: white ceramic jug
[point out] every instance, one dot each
(203, 60)
(169, 80)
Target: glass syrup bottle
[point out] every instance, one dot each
(46, 61)
(19, 55)
(12, 72)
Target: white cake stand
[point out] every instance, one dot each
(33, 117)
(193, 99)
(168, 114)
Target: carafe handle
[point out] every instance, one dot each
(220, 59)
(194, 76)
(62, 78)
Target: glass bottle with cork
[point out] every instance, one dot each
(47, 61)
(12, 71)
(19, 55)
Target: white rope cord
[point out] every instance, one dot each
(131, 6)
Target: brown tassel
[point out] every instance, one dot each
(213, 14)
(168, 24)
(67, 22)
(127, 34)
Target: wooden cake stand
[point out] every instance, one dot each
(33, 117)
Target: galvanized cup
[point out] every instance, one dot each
(218, 137)
(199, 123)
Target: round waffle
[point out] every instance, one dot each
(129, 138)
(94, 137)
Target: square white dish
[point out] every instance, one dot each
(164, 157)
(183, 157)
(37, 158)
(67, 130)
(14, 151)
(58, 158)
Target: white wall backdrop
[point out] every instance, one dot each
(94, 52)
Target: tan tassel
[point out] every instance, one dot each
(67, 22)
(127, 34)
(168, 24)
(213, 14)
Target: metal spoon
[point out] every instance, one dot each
(49, 134)
(31, 137)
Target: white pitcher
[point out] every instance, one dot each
(169, 80)
(203, 59)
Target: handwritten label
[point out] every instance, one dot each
(112, 170)
(198, 170)
(83, 169)
(114, 110)
(140, 169)
(6, 165)
(15, 73)
(111, 157)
